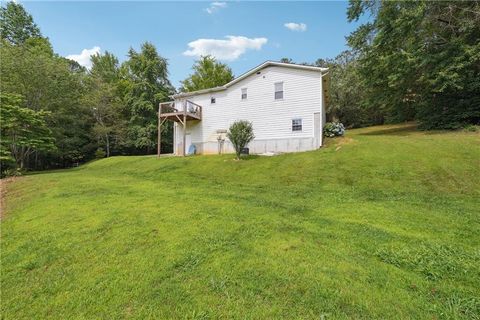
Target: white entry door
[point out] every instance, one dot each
(188, 142)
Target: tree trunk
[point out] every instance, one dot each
(108, 145)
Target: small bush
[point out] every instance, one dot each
(471, 128)
(100, 153)
(240, 134)
(333, 129)
(12, 172)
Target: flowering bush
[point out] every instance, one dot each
(333, 129)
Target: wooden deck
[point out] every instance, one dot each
(187, 111)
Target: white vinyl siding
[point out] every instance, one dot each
(272, 119)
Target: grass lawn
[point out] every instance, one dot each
(384, 223)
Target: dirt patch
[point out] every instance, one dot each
(3, 193)
(344, 140)
(339, 142)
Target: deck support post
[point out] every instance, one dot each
(159, 134)
(168, 112)
(184, 127)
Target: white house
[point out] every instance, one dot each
(285, 103)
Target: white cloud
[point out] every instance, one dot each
(84, 57)
(229, 49)
(215, 6)
(296, 26)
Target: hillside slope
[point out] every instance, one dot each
(383, 223)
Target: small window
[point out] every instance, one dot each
(278, 90)
(296, 124)
(213, 100)
(244, 94)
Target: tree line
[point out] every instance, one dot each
(409, 61)
(412, 60)
(56, 113)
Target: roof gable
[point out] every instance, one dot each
(248, 73)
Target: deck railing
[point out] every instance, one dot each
(186, 107)
(180, 112)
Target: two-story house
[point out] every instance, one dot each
(285, 103)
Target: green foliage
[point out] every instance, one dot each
(23, 131)
(240, 134)
(347, 92)
(7, 162)
(420, 60)
(286, 60)
(333, 129)
(208, 73)
(16, 25)
(472, 128)
(105, 67)
(100, 153)
(110, 106)
(387, 216)
(104, 99)
(346, 100)
(51, 83)
(146, 85)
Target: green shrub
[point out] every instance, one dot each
(100, 153)
(240, 134)
(471, 128)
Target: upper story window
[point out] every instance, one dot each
(278, 90)
(244, 93)
(213, 100)
(296, 124)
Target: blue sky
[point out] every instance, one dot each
(241, 34)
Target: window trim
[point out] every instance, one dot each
(241, 94)
(275, 90)
(297, 125)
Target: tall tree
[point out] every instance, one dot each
(52, 83)
(104, 100)
(346, 103)
(208, 73)
(24, 131)
(16, 25)
(105, 67)
(420, 59)
(146, 84)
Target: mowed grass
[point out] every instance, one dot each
(383, 223)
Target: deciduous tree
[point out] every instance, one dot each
(420, 59)
(23, 130)
(207, 73)
(146, 85)
(16, 25)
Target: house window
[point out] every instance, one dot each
(296, 124)
(278, 90)
(244, 94)
(213, 100)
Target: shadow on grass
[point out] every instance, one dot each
(248, 157)
(403, 130)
